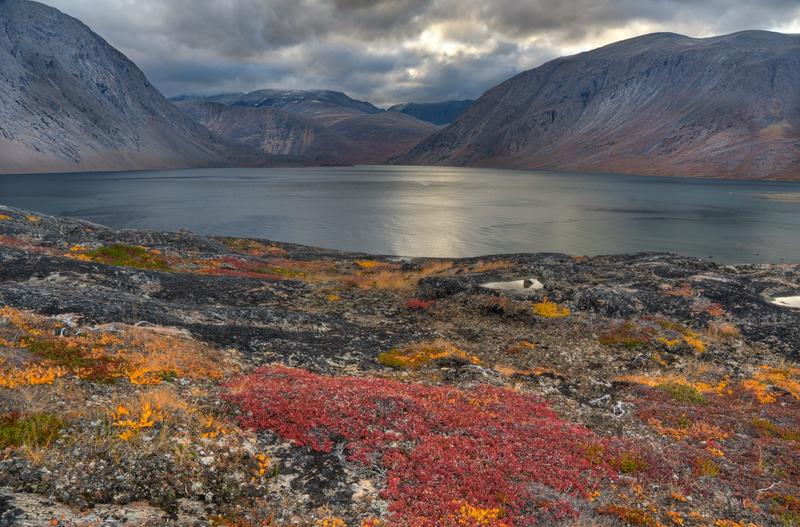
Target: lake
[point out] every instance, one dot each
(437, 211)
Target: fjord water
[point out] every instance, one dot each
(436, 211)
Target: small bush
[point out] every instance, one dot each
(706, 468)
(767, 428)
(630, 463)
(33, 430)
(683, 392)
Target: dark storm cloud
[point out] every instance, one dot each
(388, 50)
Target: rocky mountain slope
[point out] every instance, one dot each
(444, 112)
(662, 104)
(324, 105)
(69, 102)
(375, 134)
(278, 132)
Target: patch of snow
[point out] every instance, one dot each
(787, 301)
(524, 285)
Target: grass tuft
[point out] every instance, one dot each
(33, 430)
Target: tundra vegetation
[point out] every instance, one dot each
(172, 379)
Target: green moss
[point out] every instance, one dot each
(630, 463)
(57, 352)
(168, 375)
(683, 393)
(29, 430)
(769, 429)
(60, 353)
(128, 256)
(626, 335)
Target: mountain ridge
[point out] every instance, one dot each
(658, 104)
(71, 102)
(363, 133)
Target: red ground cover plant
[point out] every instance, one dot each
(732, 442)
(486, 456)
(417, 304)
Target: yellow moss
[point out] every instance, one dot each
(655, 381)
(370, 264)
(264, 462)
(144, 356)
(676, 517)
(766, 377)
(669, 343)
(695, 343)
(33, 219)
(509, 371)
(213, 428)
(547, 309)
(333, 297)
(4, 217)
(677, 496)
(33, 375)
(414, 356)
(129, 425)
(479, 517)
(330, 521)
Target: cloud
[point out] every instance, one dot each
(388, 51)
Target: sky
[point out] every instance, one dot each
(389, 51)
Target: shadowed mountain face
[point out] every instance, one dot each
(325, 106)
(440, 113)
(345, 131)
(277, 132)
(661, 104)
(71, 102)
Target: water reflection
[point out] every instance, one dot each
(436, 211)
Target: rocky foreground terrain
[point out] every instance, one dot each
(151, 378)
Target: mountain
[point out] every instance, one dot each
(661, 104)
(440, 113)
(373, 135)
(388, 133)
(324, 105)
(278, 132)
(71, 102)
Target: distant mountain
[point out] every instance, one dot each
(69, 102)
(440, 113)
(388, 133)
(324, 105)
(278, 132)
(374, 135)
(661, 104)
